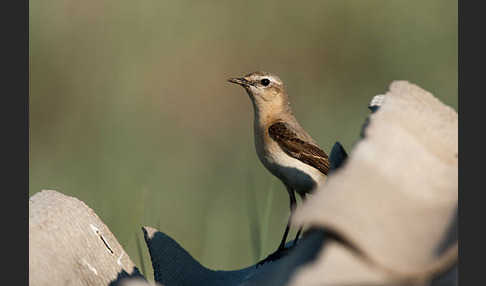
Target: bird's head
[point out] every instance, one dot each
(265, 90)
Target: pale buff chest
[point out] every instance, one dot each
(297, 175)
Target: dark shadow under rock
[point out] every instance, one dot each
(173, 265)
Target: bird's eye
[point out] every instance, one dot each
(265, 81)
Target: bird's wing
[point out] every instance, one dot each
(295, 147)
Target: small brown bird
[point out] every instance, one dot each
(282, 145)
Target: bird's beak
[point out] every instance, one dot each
(241, 81)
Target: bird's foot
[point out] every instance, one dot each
(279, 253)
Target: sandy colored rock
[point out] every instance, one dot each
(70, 245)
(395, 199)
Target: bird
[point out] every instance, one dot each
(282, 144)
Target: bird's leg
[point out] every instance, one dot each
(282, 251)
(300, 228)
(293, 204)
(297, 235)
(284, 238)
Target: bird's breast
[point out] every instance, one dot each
(293, 172)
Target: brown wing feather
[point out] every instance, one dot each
(298, 148)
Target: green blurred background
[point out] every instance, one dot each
(130, 110)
